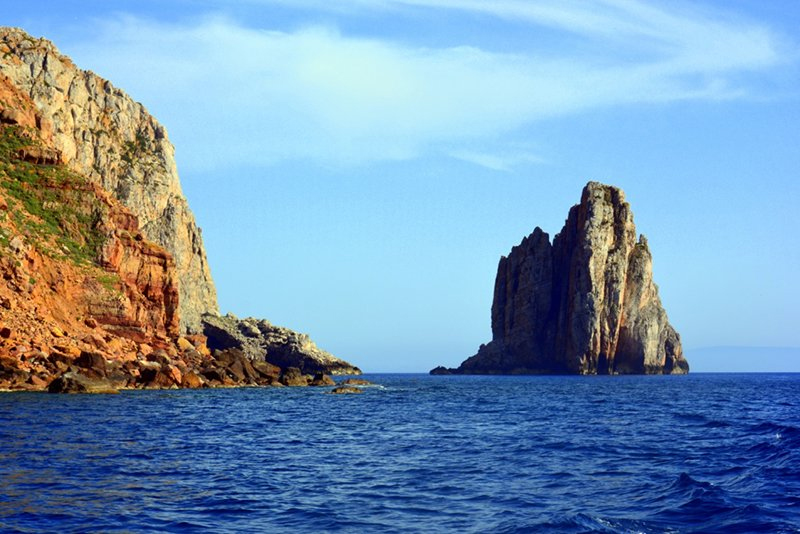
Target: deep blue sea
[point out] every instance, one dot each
(696, 453)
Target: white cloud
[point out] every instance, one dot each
(500, 160)
(233, 93)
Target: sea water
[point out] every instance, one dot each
(696, 453)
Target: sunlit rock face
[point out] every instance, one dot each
(584, 304)
(103, 134)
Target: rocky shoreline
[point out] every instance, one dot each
(67, 369)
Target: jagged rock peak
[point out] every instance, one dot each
(102, 133)
(585, 304)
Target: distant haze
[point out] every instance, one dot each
(745, 359)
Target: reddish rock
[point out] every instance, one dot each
(37, 382)
(192, 380)
(174, 374)
(92, 361)
(70, 350)
(156, 379)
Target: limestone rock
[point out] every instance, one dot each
(261, 341)
(100, 132)
(585, 304)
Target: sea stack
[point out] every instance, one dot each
(585, 304)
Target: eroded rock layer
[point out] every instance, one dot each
(585, 304)
(103, 134)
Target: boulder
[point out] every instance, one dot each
(184, 344)
(321, 379)
(214, 375)
(192, 380)
(292, 376)
(79, 383)
(156, 379)
(92, 361)
(356, 382)
(345, 390)
(159, 356)
(267, 370)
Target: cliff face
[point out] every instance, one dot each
(101, 133)
(76, 273)
(585, 304)
(88, 302)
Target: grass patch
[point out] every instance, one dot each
(54, 206)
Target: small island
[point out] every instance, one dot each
(584, 304)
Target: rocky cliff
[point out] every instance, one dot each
(77, 274)
(585, 304)
(88, 301)
(101, 133)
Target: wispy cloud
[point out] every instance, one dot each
(235, 93)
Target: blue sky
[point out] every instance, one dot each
(358, 167)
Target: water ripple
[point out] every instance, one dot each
(703, 453)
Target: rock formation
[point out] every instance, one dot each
(585, 304)
(101, 133)
(262, 341)
(88, 301)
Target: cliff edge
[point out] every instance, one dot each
(100, 256)
(585, 304)
(103, 134)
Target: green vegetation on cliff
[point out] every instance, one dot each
(54, 207)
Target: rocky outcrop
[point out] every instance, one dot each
(89, 302)
(585, 304)
(73, 250)
(145, 306)
(101, 133)
(77, 383)
(345, 390)
(262, 341)
(356, 382)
